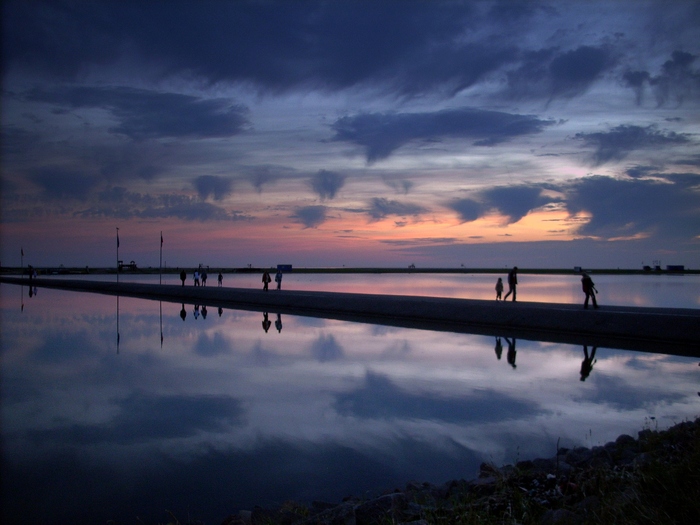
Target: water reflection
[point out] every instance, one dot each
(202, 417)
(587, 363)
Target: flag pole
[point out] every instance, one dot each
(160, 278)
(117, 254)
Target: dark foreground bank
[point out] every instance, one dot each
(654, 479)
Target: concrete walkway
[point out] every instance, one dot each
(661, 330)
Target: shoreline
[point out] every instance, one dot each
(654, 477)
(75, 270)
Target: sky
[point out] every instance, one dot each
(350, 133)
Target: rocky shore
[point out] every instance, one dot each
(653, 479)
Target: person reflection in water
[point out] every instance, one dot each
(196, 312)
(183, 313)
(278, 323)
(221, 311)
(510, 357)
(204, 311)
(587, 363)
(266, 322)
(499, 348)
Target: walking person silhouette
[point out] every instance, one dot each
(512, 282)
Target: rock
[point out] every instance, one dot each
(376, 510)
(578, 456)
(343, 514)
(561, 517)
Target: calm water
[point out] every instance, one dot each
(102, 420)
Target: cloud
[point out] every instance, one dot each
(548, 73)
(146, 114)
(617, 143)
(212, 346)
(273, 45)
(379, 398)
(667, 206)
(261, 175)
(380, 208)
(515, 201)
(326, 348)
(213, 185)
(143, 418)
(124, 204)
(383, 133)
(400, 186)
(676, 82)
(61, 183)
(327, 183)
(468, 209)
(310, 216)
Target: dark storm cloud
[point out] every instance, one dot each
(310, 216)
(142, 418)
(677, 81)
(327, 183)
(61, 183)
(617, 143)
(514, 202)
(382, 133)
(550, 73)
(468, 209)
(274, 45)
(665, 208)
(379, 398)
(212, 185)
(147, 114)
(380, 208)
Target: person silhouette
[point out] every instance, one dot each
(183, 277)
(512, 282)
(266, 322)
(589, 289)
(510, 357)
(499, 348)
(221, 279)
(588, 361)
(204, 278)
(266, 279)
(278, 279)
(183, 313)
(278, 323)
(499, 289)
(196, 277)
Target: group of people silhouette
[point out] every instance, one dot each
(587, 285)
(266, 279)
